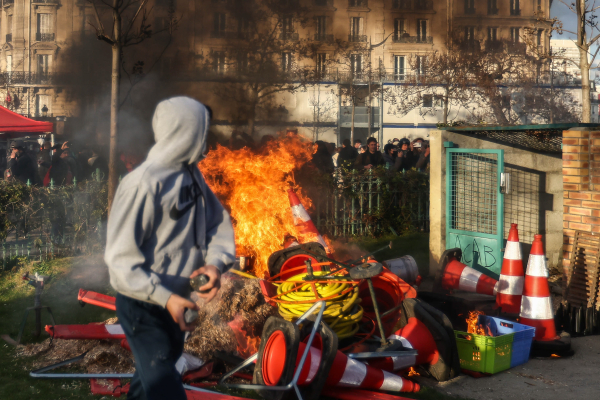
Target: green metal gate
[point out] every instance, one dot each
(475, 207)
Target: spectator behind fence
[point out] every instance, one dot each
(348, 155)
(322, 158)
(370, 158)
(404, 158)
(389, 155)
(69, 157)
(97, 163)
(44, 160)
(420, 154)
(357, 144)
(336, 156)
(59, 172)
(20, 166)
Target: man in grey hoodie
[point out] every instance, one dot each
(165, 226)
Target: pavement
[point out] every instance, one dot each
(574, 377)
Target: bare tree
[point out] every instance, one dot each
(128, 25)
(323, 104)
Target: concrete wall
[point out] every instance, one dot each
(535, 202)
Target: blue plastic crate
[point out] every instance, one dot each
(524, 334)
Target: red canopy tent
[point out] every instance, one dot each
(16, 125)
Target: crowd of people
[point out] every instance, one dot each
(59, 164)
(398, 155)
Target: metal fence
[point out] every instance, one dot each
(372, 203)
(41, 223)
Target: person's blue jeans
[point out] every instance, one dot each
(157, 343)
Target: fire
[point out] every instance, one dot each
(247, 343)
(554, 356)
(412, 372)
(253, 186)
(473, 326)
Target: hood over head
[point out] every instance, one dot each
(180, 126)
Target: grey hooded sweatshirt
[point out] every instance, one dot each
(165, 222)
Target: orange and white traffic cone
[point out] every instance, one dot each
(456, 275)
(510, 288)
(415, 336)
(344, 371)
(536, 305)
(302, 219)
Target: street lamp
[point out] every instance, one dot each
(44, 111)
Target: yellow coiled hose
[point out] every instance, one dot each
(342, 297)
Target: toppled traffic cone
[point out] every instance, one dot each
(510, 288)
(456, 275)
(281, 351)
(428, 331)
(536, 305)
(302, 219)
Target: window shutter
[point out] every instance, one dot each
(360, 26)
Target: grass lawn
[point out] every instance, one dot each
(70, 274)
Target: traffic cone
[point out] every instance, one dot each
(302, 219)
(510, 288)
(344, 371)
(456, 275)
(415, 336)
(536, 305)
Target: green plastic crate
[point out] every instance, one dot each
(484, 353)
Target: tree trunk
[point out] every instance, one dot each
(446, 99)
(113, 178)
(584, 65)
(352, 125)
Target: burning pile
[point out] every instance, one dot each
(253, 186)
(473, 325)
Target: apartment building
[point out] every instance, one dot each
(382, 42)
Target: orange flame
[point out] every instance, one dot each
(253, 186)
(554, 356)
(412, 372)
(247, 344)
(474, 327)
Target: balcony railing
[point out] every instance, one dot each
(45, 1)
(324, 3)
(402, 4)
(230, 35)
(470, 10)
(29, 78)
(515, 12)
(413, 39)
(516, 47)
(424, 5)
(8, 37)
(44, 37)
(493, 11)
(358, 3)
(494, 45)
(290, 36)
(357, 38)
(7, 3)
(323, 38)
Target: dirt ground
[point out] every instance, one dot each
(575, 377)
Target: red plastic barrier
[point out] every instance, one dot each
(89, 331)
(110, 387)
(97, 299)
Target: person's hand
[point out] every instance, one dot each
(13, 153)
(368, 166)
(214, 281)
(176, 306)
(426, 152)
(64, 146)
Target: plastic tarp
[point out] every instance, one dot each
(17, 125)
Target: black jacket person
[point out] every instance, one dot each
(370, 158)
(21, 166)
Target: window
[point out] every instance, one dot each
(357, 3)
(469, 6)
(492, 7)
(399, 29)
(469, 35)
(43, 100)
(515, 7)
(438, 100)
(539, 5)
(44, 61)
(242, 62)
(399, 62)
(286, 62)
(321, 27)
(219, 62)
(8, 63)
(492, 34)
(356, 26)
(421, 65)
(287, 25)
(515, 35)
(9, 24)
(45, 30)
(539, 37)
(422, 30)
(428, 100)
(356, 64)
(219, 25)
(321, 63)
(244, 27)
